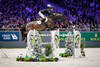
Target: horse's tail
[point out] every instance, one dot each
(27, 30)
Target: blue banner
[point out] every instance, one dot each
(9, 36)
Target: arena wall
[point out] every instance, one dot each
(92, 39)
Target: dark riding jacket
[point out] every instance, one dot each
(47, 12)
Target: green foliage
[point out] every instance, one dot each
(42, 59)
(82, 44)
(27, 58)
(32, 56)
(48, 50)
(60, 54)
(18, 59)
(64, 55)
(51, 59)
(56, 59)
(69, 54)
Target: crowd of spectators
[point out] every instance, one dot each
(16, 13)
(82, 13)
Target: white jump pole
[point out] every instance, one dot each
(53, 42)
(29, 46)
(77, 51)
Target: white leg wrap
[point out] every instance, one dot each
(39, 22)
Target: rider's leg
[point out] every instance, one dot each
(45, 19)
(41, 15)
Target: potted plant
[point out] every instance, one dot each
(48, 49)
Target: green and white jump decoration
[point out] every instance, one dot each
(74, 47)
(35, 50)
(37, 53)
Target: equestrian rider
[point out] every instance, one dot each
(46, 11)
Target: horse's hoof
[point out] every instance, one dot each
(83, 55)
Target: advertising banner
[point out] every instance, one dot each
(9, 36)
(87, 36)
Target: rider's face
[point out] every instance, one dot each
(51, 9)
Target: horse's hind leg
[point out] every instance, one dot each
(82, 52)
(27, 30)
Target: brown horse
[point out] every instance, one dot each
(48, 25)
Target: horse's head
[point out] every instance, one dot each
(58, 14)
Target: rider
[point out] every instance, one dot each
(46, 11)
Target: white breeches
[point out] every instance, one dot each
(41, 15)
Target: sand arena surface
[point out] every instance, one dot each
(92, 59)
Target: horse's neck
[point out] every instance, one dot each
(50, 17)
(54, 17)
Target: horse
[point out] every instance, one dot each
(47, 25)
(33, 28)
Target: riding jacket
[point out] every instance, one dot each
(45, 11)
